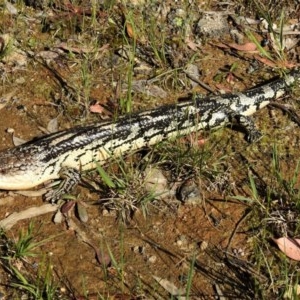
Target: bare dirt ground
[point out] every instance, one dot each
(58, 59)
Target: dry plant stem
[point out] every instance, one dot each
(31, 212)
(81, 235)
(202, 84)
(241, 220)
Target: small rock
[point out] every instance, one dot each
(106, 213)
(10, 8)
(181, 241)
(177, 17)
(156, 182)
(203, 245)
(152, 259)
(212, 25)
(193, 71)
(138, 249)
(7, 200)
(20, 80)
(237, 36)
(48, 55)
(58, 217)
(189, 192)
(238, 252)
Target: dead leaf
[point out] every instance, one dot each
(170, 287)
(82, 212)
(230, 78)
(193, 71)
(48, 55)
(143, 86)
(67, 206)
(97, 108)
(18, 141)
(80, 50)
(290, 247)
(192, 45)
(4, 99)
(265, 61)
(130, 31)
(248, 47)
(52, 125)
(58, 217)
(220, 45)
(223, 89)
(275, 64)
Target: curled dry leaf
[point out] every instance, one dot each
(66, 207)
(130, 31)
(105, 110)
(193, 71)
(290, 247)
(230, 78)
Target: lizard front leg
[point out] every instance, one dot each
(252, 133)
(70, 178)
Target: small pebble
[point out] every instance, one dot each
(20, 80)
(10, 8)
(10, 130)
(138, 249)
(203, 245)
(152, 259)
(189, 192)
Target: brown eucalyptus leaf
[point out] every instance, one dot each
(82, 212)
(245, 47)
(290, 247)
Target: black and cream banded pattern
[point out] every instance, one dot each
(78, 148)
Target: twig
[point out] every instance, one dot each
(31, 212)
(202, 84)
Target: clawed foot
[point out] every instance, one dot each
(253, 136)
(71, 178)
